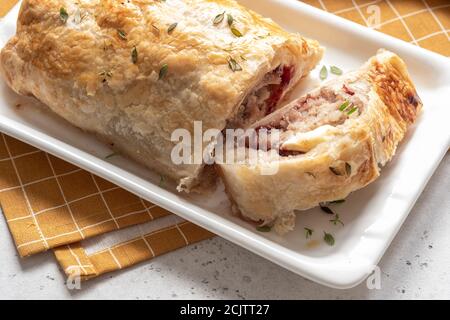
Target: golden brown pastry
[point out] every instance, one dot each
(134, 71)
(332, 142)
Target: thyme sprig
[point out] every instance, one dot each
(336, 220)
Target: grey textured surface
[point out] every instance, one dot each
(416, 266)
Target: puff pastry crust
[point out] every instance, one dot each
(114, 68)
(334, 141)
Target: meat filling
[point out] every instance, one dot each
(326, 106)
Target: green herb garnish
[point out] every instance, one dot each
(134, 55)
(325, 209)
(122, 34)
(263, 228)
(335, 70)
(308, 232)
(161, 182)
(337, 201)
(234, 66)
(172, 27)
(352, 110)
(326, 203)
(323, 73)
(230, 19)
(336, 220)
(111, 155)
(219, 18)
(236, 32)
(163, 71)
(63, 15)
(328, 238)
(263, 36)
(344, 105)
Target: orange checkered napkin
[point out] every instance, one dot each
(49, 203)
(425, 23)
(75, 259)
(5, 6)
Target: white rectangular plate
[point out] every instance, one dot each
(372, 216)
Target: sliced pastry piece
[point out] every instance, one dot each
(331, 142)
(134, 71)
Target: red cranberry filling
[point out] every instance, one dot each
(278, 89)
(265, 97)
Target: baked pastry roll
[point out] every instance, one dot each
(331, 142)
(134, 71)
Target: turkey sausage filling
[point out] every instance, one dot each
(326, 106)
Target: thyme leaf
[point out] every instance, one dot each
(335, 70)
(328, 238)
(134, 55)
(172, 27)
(344, 105)
(113, 154)
(236, 32)
(325, 209)
(323, 73)
(308, 232)
(122, 34)
(230, 19)
(163, 71)
(352, 110)
(219, 18)
(161, 182)
(337, 201)
(234, 66)
(263, 228)
(63, 15)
